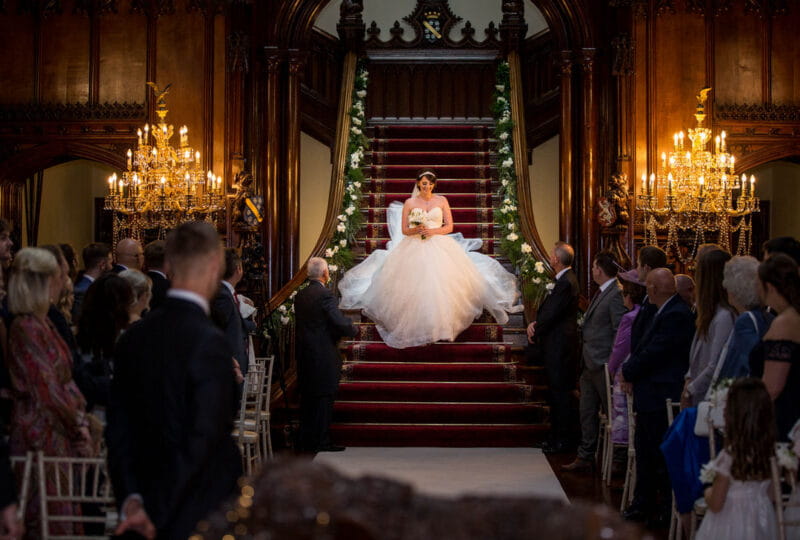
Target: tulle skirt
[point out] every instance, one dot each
(424, 291)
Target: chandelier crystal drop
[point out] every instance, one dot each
(697, 195)
(162, 186)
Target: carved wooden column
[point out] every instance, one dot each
(291, 187)
(622, 71)
(566, 226)
(513, 27)
(589, 241)
(270, 142)
(237, 66)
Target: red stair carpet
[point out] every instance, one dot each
(465, 393)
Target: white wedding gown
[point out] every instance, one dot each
(421, 291)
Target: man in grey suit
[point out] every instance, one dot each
(599, 330)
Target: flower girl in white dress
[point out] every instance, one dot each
(739, 504)
(428, 285)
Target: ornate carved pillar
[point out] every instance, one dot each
(622, 71)
(566, 227)
(291, 188)
(270, 146)
(351, 27)
(589, 242)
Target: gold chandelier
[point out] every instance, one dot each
(162, 186)
(696, 195)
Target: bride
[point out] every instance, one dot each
(428, 285)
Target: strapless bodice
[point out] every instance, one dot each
(433, 217)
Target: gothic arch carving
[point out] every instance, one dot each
(25, 163)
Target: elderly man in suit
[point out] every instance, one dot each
(171, 456)
(556, 330)
(656, 369)
(600, 324)
(128, 255)
(319, 327)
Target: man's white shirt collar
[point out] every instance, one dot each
(562, 272)
(190, 296)
(229, 287)
(607, 284)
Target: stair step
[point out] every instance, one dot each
(475, 332)
(437, 352)
(439, 132)
(429, 145)
(460, 215)
(488, 247)
(382, 200)
(445, 186)
(438, 413)
(410, 172)
(484, 231)
(434, 391)
(466, 435)
(424, 371)
(438, 157)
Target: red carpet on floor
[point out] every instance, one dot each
(465, 393)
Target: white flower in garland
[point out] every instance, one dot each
(507, 201)
(333, 267)
(341, 217)
(282, 309)
(500, 87)
(357, 184)
(341, 227)
(505, 149)
(354, 197)
(362, 93)
(328, 254)
(511, 226)
(343, 242)
(356, 120)
(504, 182)
(526, 248)
(349, 210)
(501, 99)
(508, 163)
(512, 237)
(355, 130)
(504, 136)
(285, 320)
(504, 210)
(536, 280)
(291, 296)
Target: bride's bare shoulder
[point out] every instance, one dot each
(442, 200)
(409, 201)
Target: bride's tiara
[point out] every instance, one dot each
(426, 173)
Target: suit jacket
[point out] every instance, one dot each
(659, 361)
(117, 268)
(160, 287)
(319, 327)
(600, 325)
(557, 319)
(642, 322)
(225, 314)
(171, 416)
(79, 292)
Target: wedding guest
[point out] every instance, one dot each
(741, 284)
(225, 311)
(714, 323)
(156, 270)
(61, 310)
(633, 293)
(685, 286)
(556, 331)
(655, 368)
(782, 244)
(141, 285)
(600, 323)
(128, 254)
(96, 262)
(319, 325)
(776, 359)
(648, 259)
(105, 315)
(71, 259)
(171, 456)
(49, 411)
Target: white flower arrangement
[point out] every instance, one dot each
(343, 242)
(707, 474)
(536, 283)
(341, 227)
(349, 210)
(787, 459)
(416, 217)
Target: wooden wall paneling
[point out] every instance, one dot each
(17, 66)
(94, 58)
(588, 242)
(291, 221)
(738, 57)
(181, 61)
(679, 72)
(207, 85)
(64, 72)
(766, 60)
(270, 149)
(218, 102)
(785, 50)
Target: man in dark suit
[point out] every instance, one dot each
(319, 327)
(556, 330)
(96, 262)
(656, 369)
(171, 456)
(225, 310)
(156, 269)
(649, 258)
(128, 255)
(600, 324)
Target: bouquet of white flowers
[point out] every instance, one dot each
(416, 217)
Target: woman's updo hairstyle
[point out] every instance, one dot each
(427, 173)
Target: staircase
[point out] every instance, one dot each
(468, 393)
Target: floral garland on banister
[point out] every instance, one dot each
(536, 283)
(338, 253)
